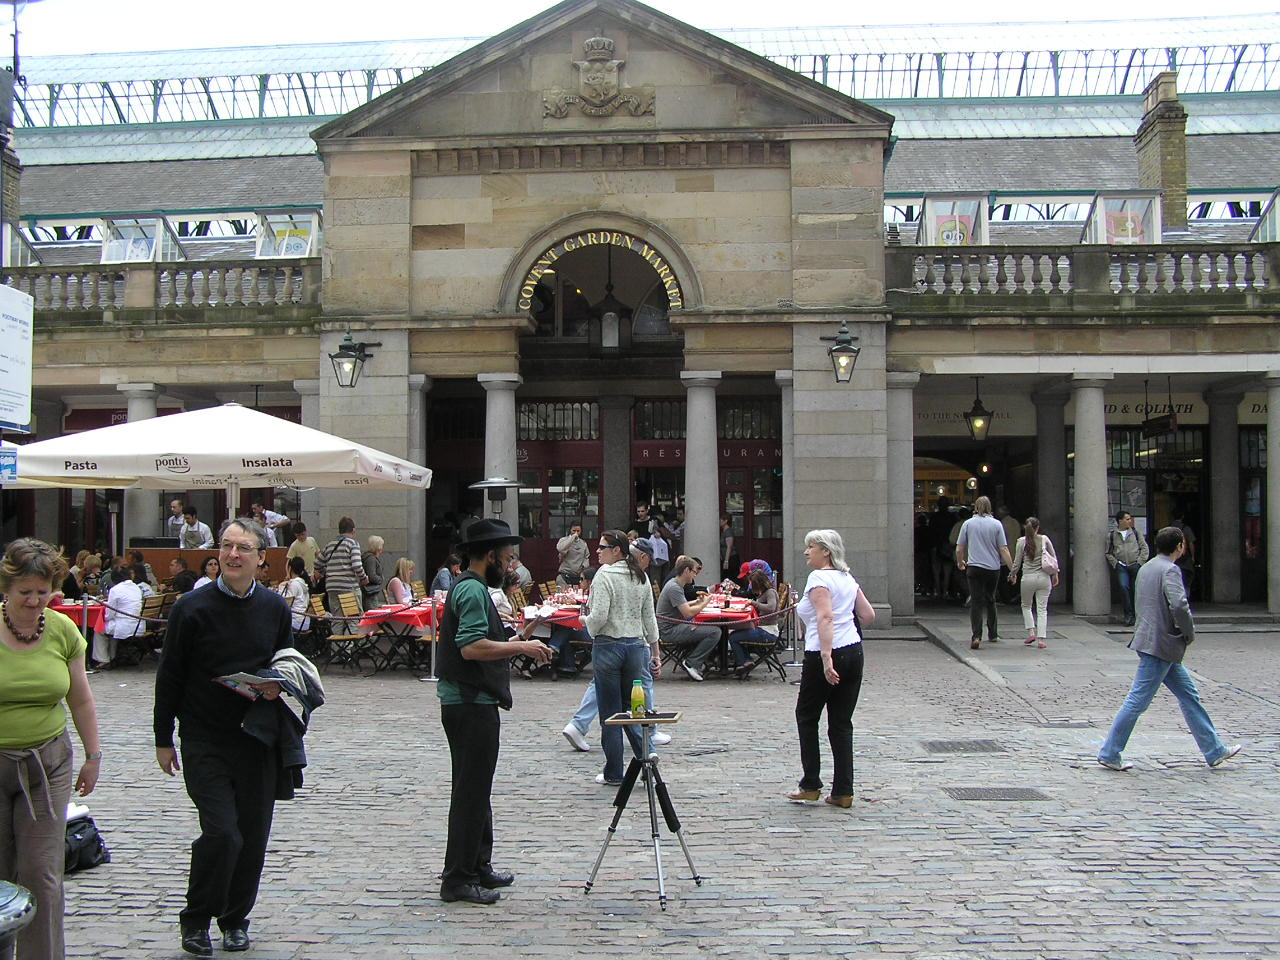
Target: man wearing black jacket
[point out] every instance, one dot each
(475, 680)
(233, 626)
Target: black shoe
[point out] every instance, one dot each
(196, 940)
(237, 938)
(492, 879)
(469, 893)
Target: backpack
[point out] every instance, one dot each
(85, 846)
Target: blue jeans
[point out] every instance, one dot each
(1126, 574)
(588, 709)
(753, 635)
(561, 641)
(618, 662)
(1152, 671)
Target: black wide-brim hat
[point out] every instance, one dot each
(488, 534)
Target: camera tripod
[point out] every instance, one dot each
(656, 790)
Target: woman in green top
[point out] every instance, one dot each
(41, 665)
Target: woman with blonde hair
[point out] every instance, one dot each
(400, 589)
(833, 610)
(1029, 561)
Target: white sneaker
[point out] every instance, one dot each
(1231, 752)
(693, 672)
(660, 739)
(575, 737)
(606, 783)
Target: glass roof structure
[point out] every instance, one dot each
(1211, 55)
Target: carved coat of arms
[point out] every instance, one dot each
(600, 92)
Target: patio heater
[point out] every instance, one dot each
(495, 490)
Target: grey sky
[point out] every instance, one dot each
(86, 26)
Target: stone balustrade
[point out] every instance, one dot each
(1183, 268)
(188, 284)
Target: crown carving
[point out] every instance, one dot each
(598, 48)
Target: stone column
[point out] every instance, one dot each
(500, 435)
(900, 469)
(1224, 480)
(792, 553)
(615, 475)
(1051, 477)
(702, 472)
(416, 510)
(1092, 592)
(309, 506)
(48, 503)
(1272, 509)
(142, 517)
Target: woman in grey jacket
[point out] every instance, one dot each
(624, 633)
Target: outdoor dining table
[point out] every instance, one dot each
(724, 612)
(405, 628)
(97, 614)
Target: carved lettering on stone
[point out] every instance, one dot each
(600, 92)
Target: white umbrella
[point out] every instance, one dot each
(25, 484)
(222, 447)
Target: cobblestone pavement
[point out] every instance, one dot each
(1171, 860)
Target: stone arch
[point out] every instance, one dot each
(599, 221)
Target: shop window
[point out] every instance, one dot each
(1253, 448)
(537, 420)
(573, 496)
(659, 419)
(140, 240)
(953, 220)
(1267, 229)
(766, 493)
(288, 234)
(1123, 217)
(749, 418)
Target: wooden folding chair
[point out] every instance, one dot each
(769, 653)
(133, 650)
(418, 588)
(313, 641)
(346, 646)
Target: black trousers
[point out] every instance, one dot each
(839, 702)
(982, 597)
(473, 731)
(233, 786)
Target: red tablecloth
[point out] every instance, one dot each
(420, 617)
(570, 617)
(734, 613)
(97, 614)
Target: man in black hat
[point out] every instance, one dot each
(475, 680)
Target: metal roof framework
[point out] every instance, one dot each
(1211, 55)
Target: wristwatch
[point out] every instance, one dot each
(96, 755)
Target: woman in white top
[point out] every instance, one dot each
(399, 589)
(832, 611)
(297, 594)
(209, 570)
(124, 603)
(1028, 556)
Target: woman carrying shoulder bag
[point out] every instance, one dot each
(1037, 562)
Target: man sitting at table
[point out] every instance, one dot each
(184, 580)
(675, 614)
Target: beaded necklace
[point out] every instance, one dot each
(22, 637)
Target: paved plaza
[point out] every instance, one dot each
(1170, 860)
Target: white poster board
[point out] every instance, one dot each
(16, 326)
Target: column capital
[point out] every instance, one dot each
(1223, 398)
(420, 382)
(1271, 378)
(142, 391)
(901, 380)
(500, 381)
(785, 378)
(700, 378)
(1091, 379)
(307, 388)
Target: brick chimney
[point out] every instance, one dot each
(1162, 147)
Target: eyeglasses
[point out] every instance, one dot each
(230, 546)
(608, 546)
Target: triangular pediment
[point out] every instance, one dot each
(601, 66)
